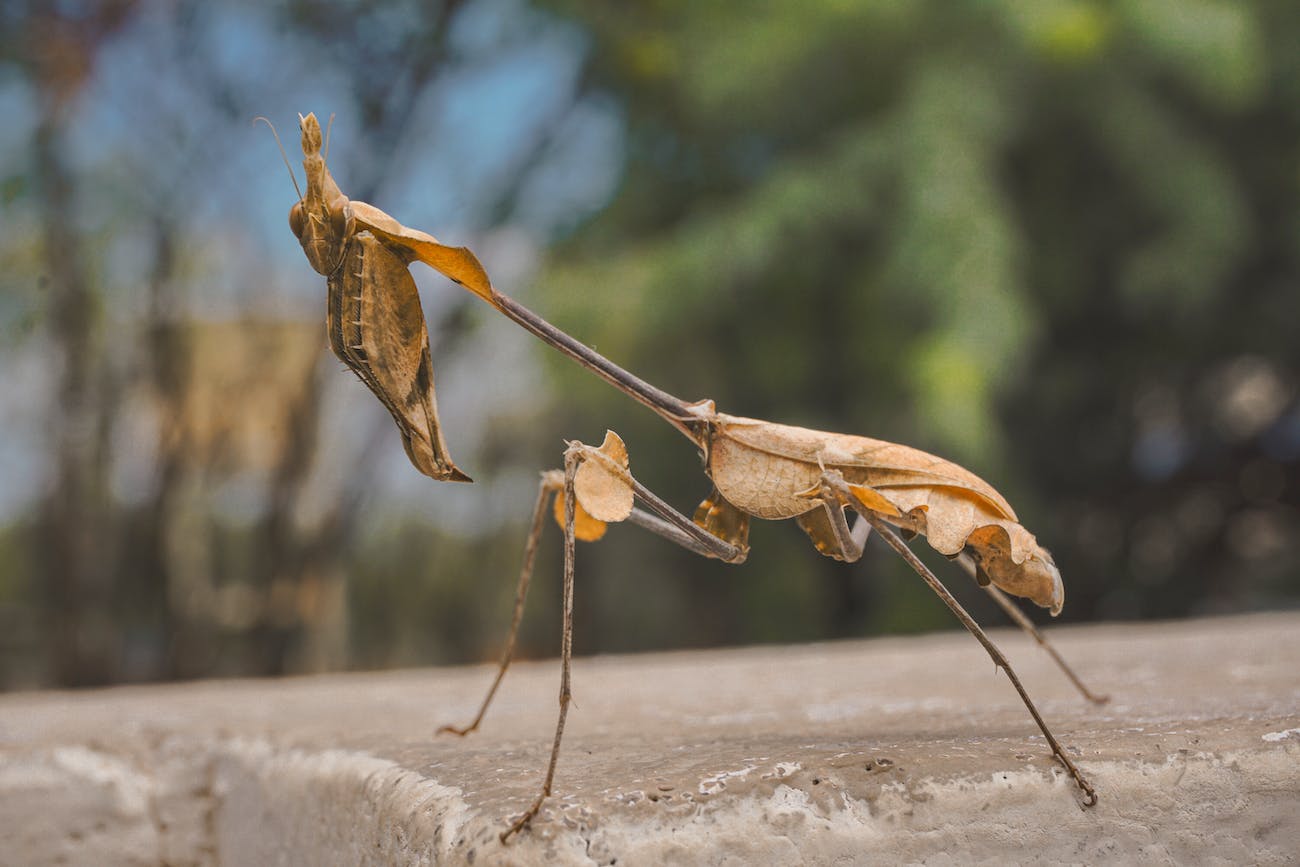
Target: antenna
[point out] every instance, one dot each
(283, 155)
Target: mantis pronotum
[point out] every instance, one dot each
(758, 469)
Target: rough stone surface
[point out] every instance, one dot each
(891, 750)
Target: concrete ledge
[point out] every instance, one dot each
(876, 751)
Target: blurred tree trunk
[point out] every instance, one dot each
(280, 544)
(168, 634)
(74, 523)
(74, 530)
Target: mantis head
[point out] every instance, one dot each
(321, 220)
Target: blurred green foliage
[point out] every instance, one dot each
(1054, 240)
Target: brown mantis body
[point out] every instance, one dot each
(759, 469)
(375, 322)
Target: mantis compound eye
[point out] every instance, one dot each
(296, 220)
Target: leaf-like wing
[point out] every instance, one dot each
(953, 521)
(880, 463)
(767, 469)
(720, 518)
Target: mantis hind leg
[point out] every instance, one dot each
(832, 536)
(894, 541)
(1018, 616)
(888, 534)
(827, 526)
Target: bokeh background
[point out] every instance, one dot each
(1055, 240)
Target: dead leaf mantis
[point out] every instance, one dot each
(758, 469)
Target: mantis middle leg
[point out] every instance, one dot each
(658, 517)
